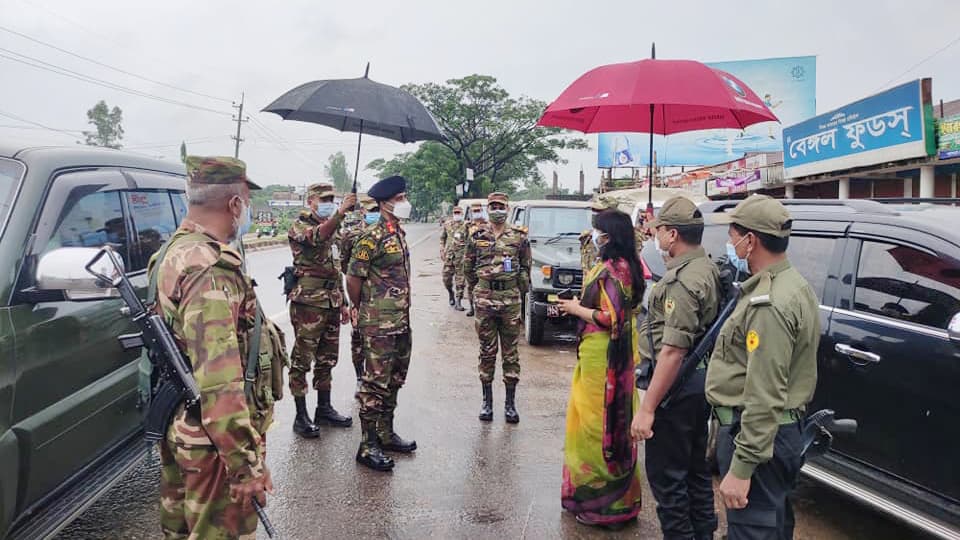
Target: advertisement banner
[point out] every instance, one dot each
(888, 126)
(788, 87)
(948, 130)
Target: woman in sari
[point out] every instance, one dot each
(601, 477)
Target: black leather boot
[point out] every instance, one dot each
(471, 311)
(459, 305)
(326, 414)
(390, 441)
(450, 292)
(302, 425)
(486, 410)
(510, 407)
(370, 454)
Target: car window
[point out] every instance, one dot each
(153, 223)
(10, 174)
(179, 204)
(907, 284)
(93, 220)
(518, 217)
(811, 255)
(547, 221)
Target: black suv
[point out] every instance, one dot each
(70, 421)
(888, 278)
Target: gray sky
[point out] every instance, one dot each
(222, 48)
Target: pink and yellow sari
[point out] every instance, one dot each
(601, 476)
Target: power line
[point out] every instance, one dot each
(118, 70)
(920, 63)
(46, 66)
(280, 141)
(37, 124)
(17, 126)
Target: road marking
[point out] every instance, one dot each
(424, 239)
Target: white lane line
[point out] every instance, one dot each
(424, 239)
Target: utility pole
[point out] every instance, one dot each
(239, 119)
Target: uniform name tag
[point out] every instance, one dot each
(507, 264)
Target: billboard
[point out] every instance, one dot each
(892, 125)
(788, 87)
(948, 131)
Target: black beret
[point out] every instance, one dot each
(387, 188)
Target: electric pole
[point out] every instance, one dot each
(239, 119)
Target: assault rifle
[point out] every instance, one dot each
(172, 381)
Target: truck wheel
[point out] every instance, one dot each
(532, 325)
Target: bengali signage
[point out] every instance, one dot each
(893, 125)
(948, 131)
(786, 85)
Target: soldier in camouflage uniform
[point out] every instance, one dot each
(378, 281)
(477, 219)
(450, 241)
(589, 256)
(212, 458)
(317, 308)
(371, 215)
(497, 263)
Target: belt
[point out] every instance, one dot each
(319, 283)
(500, 285)
(729, 415)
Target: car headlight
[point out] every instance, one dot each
(565, 278)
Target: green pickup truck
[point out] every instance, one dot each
(70, 414)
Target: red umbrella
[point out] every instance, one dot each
(656, 96)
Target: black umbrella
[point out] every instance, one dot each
(360, 106)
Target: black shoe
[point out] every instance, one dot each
(302, 425)
(371, 455)
(326, 414)
(391, 442)
(471, 312)
(510, 408)
(486, 410)
(459, 305)
(452, 300)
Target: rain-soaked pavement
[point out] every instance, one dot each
(468, 479)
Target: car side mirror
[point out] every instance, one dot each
(953, 330)
(63, 269)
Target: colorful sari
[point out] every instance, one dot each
(601, 476)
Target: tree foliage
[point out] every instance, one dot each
(336, 171)
(109, 131)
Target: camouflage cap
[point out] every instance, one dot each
(457, 210)
(678, 210)
(760, 213)
(321, 189)
(217, 170)
(498, 196)
(604, 202)
(368, 203)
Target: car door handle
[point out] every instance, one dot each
(847, 350)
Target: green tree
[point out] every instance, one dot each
(108, 121)
(492, 132)
(336, 171)
(432, 174)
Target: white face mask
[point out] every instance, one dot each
(595, 237)
(665, 253)
(402, 210)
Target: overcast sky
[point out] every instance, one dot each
(221, 48)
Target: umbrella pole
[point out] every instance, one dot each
(650, 165)
(356, 169)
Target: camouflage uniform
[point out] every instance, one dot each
(468, 228)
(316, 301)
(210, 306)
(452, 240)
(381, 259)
(347, 243)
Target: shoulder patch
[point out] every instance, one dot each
(760, 300)
(669, 305)
(753, 340)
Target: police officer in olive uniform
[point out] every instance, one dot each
(762, 374)
(589, 256)
(682, 306)
(378, 282)
(497, 264)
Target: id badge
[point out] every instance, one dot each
(507, 264)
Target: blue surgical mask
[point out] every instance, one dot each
(740, 264)
(371, 217)
(325, 209)
(246, 221)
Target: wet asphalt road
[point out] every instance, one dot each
(467, 479)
